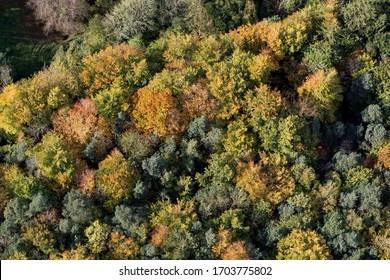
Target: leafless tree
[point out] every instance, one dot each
(65, 16)
(5, 72)
(5, 76)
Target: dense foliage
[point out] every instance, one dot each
(201, 129)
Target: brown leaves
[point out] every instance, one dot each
(78, 123)
(196, 101)
(159, 234)
(384, 156)
(236, 251)
(65, 16)
(225, 249)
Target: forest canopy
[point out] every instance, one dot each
(200, 129)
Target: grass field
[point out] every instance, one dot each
(23, 41)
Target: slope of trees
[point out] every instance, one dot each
(258, 132)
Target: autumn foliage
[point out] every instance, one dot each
(236, 251)
(180, 141)
(115, 178)
(303, 245)
(78, 123)
(156, 112)
(322, 92)
(124, 62)
(269, 179)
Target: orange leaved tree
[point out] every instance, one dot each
(156, 112)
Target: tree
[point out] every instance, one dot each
(16, 211)
(180, 49)
(384, 156)
(323, 93)
(134, 145)
(55, 161)
(78, 123)
(222, 240)
(5, 72)
(381, 242)
(282, 37)
(365, 17)
(131, 17)
(174, 79)
(263, 105)
(270, 179)
(357, 176)
(382, 75)
(100, 144)
(122, 248)
(197, 19)
(98, 235)
(171, 225)
(228, 82)
(253, 37)
(78, 253)
(344, 162)
(40, 236)
(288, 136)
(216, 199)
(262, 65)
(33, 101)
(327, 193)
(179, 245)
(238, 141)
(174, 216)
(290, 6)
(78, 207)
(361, 92)
(197, 101)
(159, 235)
(18, 184)
(296, 213)
(229, 14)
(334, 224)
(115, 178)
(156, 112)
(218, 192)
(372, 114)
(236, 251)
(131, 219)
(295, 31)
(122, 63)
(303, 245)
(85, 181)
(234, 221)
(94, 37)
(110, 102)
(211, 50)
(16, 153)
(304, 174)
(156, 165)
(172, 11)
(103, 6)
(40, 205)
(65, 16)
(4, 198)
(376, 135)
(219, 172)
(321, 55)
